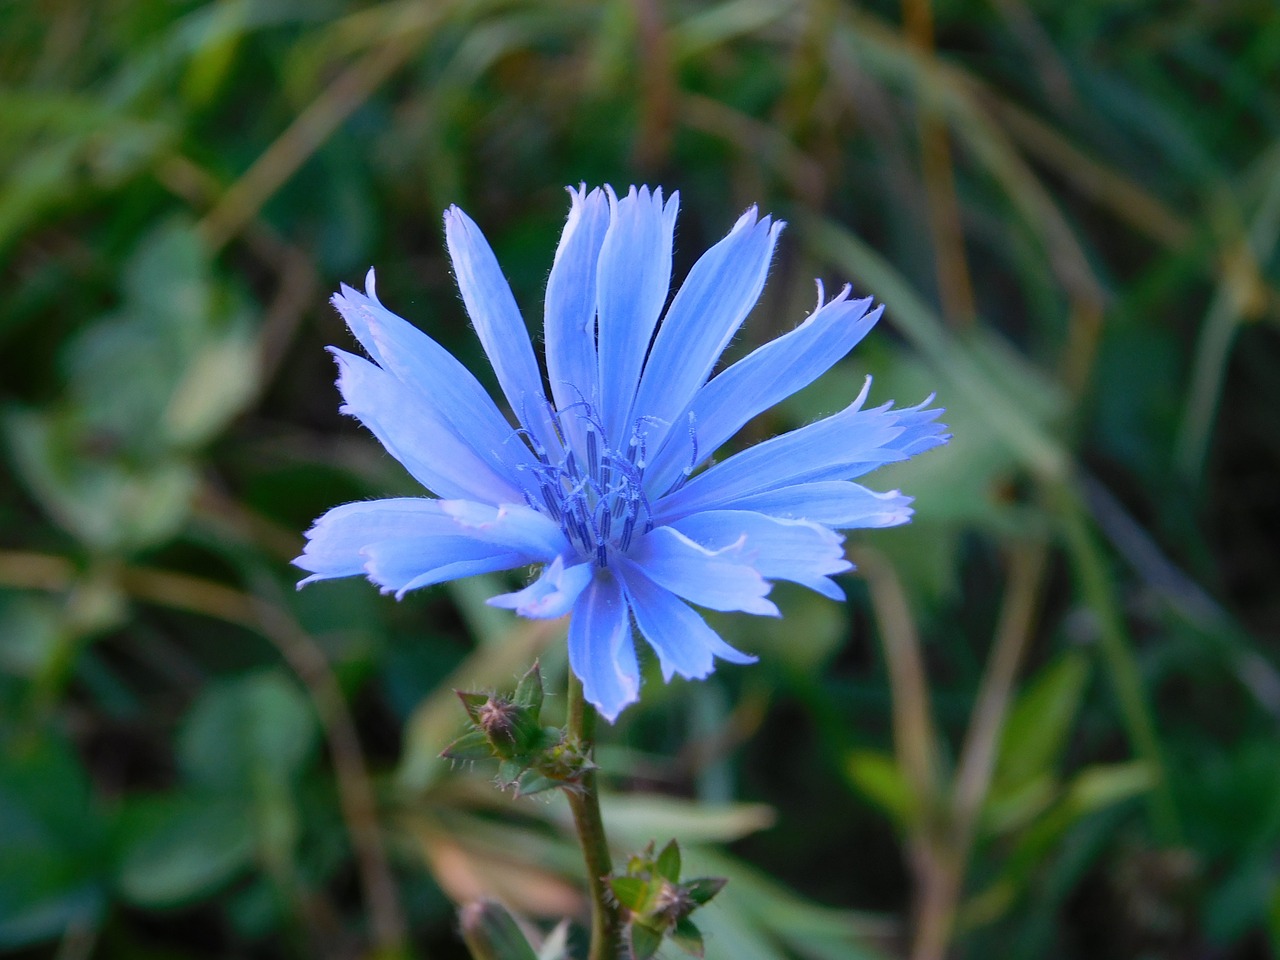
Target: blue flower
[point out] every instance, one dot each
(605, 483)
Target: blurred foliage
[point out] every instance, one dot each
(1045, 724)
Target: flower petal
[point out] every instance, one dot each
(766, 376)
(406, 543)
(414, 434)
(434, 375)
(335, 540)
(632, 283)
(570, 322)
(601, 651)
(552, 595)
(498, 323)
(796, 550)
(410, 563)
(841, 504)
(712, 302)
(678, 634)
(720, 579)
(513, 525)
(840, 447)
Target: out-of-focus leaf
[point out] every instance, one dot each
(31, 628)
(877, 776)
(1102, 785)
(1040, 722)
(634, 820)
(1013, 807)
(220, 379)
(256, 727)
(216, 37)
(807, 635)
(100, 501)
(755, 917)
(1240, 901)
(52, 841)
(178, 848)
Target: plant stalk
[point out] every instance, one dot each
(606, 922)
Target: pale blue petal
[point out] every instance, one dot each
(632, 283)
(361, 311)
(570, 322)
(717, 579)
(840, 447)
(712, 302)
(511, 524)
(552, 595)
(797, 550)
(498, 323)
(413, 433)
(842, 504)
(678, 634)
(440, 382)
(409, 563)
(405, 543)
(335, 540)
(601, 651)
(766, 376)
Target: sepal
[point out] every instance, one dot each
(657, 904)
(531, 758)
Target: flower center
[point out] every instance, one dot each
(594, 491)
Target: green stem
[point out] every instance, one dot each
(1117, 654)
(606, 923)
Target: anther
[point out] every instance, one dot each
(593, 460)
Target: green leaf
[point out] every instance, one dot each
(687, 937)
(1103, 785)
(530, 690)
(531, 782)
(632, 892)
(104, 503)
(644, 941)
(633, 819)
(259, 726)
(179, 848)
(53, 856)
(1041, 721)
(216, 385)
(878, 778)
(702, 889)
(472, 702)
(471, 746)
(668, 862)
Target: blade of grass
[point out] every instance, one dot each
(1116, 650)
(1237, 297)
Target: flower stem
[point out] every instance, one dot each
(606, 923)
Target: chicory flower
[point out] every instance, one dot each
(605, 484)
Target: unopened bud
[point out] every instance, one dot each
(491, 933)
(497, 718)
(672, 902)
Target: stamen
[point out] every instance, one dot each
(598, 503)
(553, 505)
